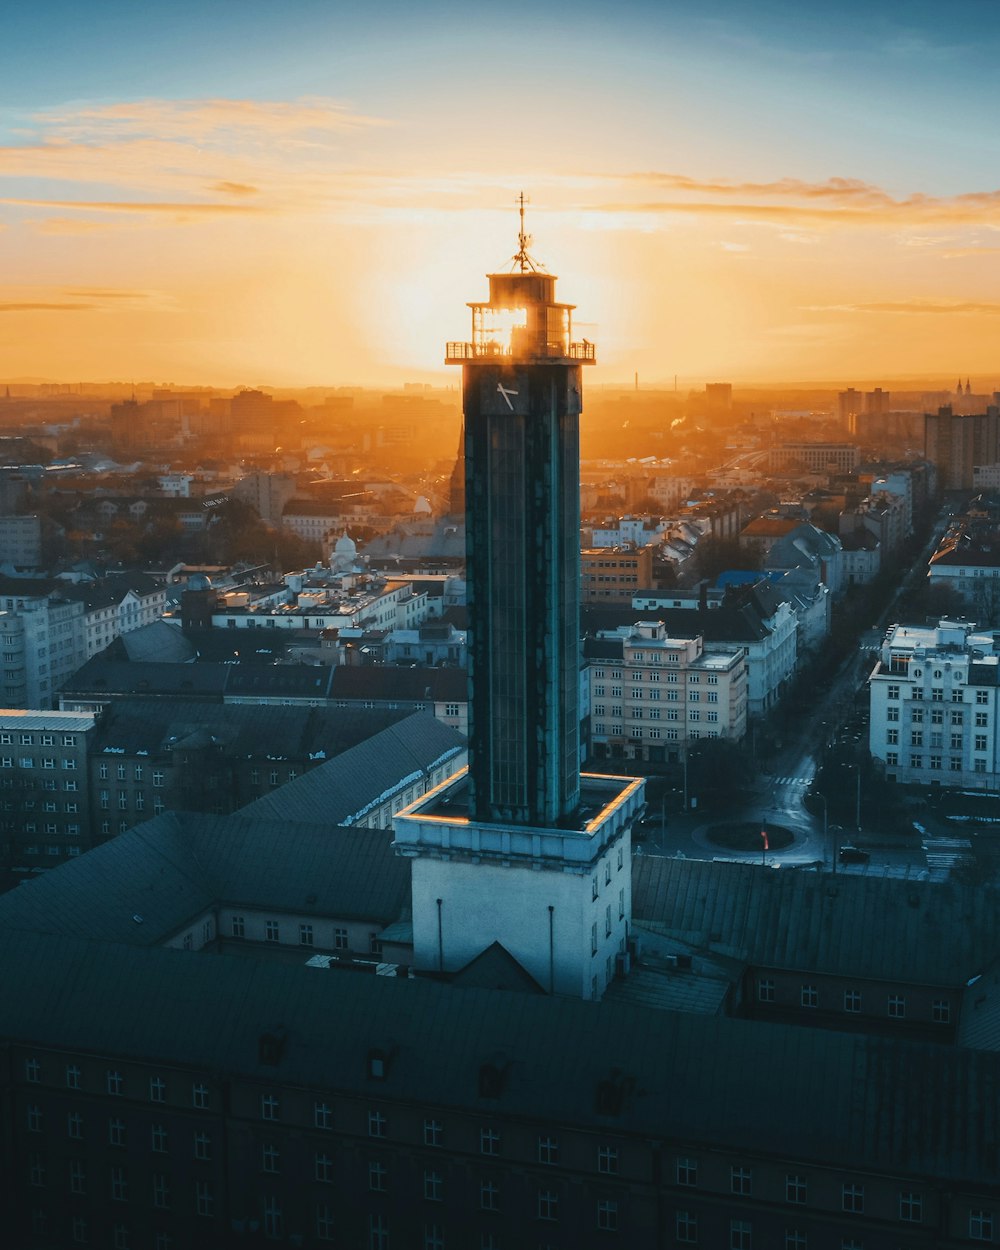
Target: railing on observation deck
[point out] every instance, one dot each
(584, 351)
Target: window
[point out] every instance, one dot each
(377, 1178)
(322, 1115)
(378, 1232)
(433, 1237)
(741, 1181)
(121, 1237)
(269, 1107)
(911, 1206)
(36, 1170)
(204, 1199)
(305, 935)
(114, 1082)
(489, 1141)
(433, 1186)
(941, 1011)
(272, 931)
(917, 716)
(765, 990)
(852, 1000)
(116, 1132)
(324, 1223)
(795, 1240)
(686, 1227)
(74, 1125)
(324, 1169)
(433, 1133)
(34, 1119)
(687, 1171)
(199, 1096)
(270, 1158)
(607, 1160)
(853, 1199)
(740, 1235)
(937, 694)
(980, 742)
(892, 737)
(980, 1225)
(340, 939)
(548, 1205)
(809, 996)
(161, 1190)
(982, 696)
(202, 1146)
(982, 720)
(158, 1138)
(548, 1150)
(77, 1176)
(376, 1124)
(607, 1215)
(892, 692)
(32, 1071)
(239, 927)
(795, 1188)
(157, 1089)
(79, 1227)
(119, 1185)
(157, 777)
(896, 1007)
(892, 714)
(916, 737)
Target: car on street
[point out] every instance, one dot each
(853, 855)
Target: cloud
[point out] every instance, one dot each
(27, 307)
(836, 201)
(208, 120)
(916, 307)
(234, 188)
(102, 294)
(177, 209)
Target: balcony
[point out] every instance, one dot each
(457, 352)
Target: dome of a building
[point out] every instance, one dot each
(198, 581)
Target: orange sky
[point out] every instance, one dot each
(719, 202)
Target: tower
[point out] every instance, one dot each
(521, 392)
(521, 850)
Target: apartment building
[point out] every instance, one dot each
(934, 706)
(614, 574)
(652, 695)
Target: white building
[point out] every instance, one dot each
(42, 642)
(933, 697)
(558, 900)
(663, 694)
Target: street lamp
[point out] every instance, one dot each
(826, 830)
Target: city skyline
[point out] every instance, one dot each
(752, 192)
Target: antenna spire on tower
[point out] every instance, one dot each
(521, 258)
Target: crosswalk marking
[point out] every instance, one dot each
(793, 781)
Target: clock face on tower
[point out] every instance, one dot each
(503, 392)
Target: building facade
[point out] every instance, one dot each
(665, 694)
(934, 706)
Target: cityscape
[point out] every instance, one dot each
(480, 771)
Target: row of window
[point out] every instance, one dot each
(272, 933)
(937, 693)
(895, 1003)
(28, 739)
(44, 762)
(935, 762)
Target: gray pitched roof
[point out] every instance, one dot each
(887, 1106)
(147, 884)
(853, 925)
(342, 790)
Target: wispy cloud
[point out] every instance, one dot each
(918, 307)
(30, 307)
(208, 121)
(833, 202)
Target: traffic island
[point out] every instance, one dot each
(745, 836)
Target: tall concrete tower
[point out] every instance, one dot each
(523, 851)
(521, 392)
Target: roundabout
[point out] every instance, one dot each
(746, 836)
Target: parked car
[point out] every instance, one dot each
(853, 855)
